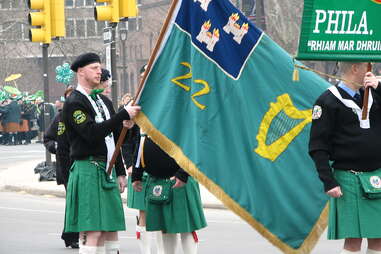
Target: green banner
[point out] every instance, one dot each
(219, 98)
(338, 30)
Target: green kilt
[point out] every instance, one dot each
(182, 214)
(93, 202)
(352, 215)
(136, 200)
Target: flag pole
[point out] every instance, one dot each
(366, 98)
(140, 88)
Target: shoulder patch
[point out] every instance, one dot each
(61, 128)
(79, 117)
(316, 112)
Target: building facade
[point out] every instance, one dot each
(83, 34)
(135, 39)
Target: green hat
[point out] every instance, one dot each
(31, 97)
(39, 93)
(12, 90)
(3, 95)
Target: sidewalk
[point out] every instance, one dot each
(21, 177)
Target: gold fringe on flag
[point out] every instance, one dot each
(185, 163)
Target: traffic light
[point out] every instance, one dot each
(40, 18)
(57, 8)
(128, 8)
(108, 12)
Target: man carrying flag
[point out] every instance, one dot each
(339, 134)
(93, 202)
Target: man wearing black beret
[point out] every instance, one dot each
(83, 60)
(93, 203)
(105, 82)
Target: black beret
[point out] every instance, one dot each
(105, 75)
(85, 59)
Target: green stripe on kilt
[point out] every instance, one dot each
(183, 214)
(89, 205)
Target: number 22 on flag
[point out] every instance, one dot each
(203, 91)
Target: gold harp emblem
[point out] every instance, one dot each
(280, 125)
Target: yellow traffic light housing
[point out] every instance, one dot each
(57, 8)
(128, 8)
(108, 12)
(40, 18)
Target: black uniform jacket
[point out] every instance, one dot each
(131, 145)
(336, 136)
(156, 162)
(56, 141)
(87, 138)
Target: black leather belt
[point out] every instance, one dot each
(98, 158)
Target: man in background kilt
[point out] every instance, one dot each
(173, 203)
(93, 202)
(136, 200)
(339, 134)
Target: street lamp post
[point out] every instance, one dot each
(123, 37)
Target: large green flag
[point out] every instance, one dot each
(219, 98)
(347, 30)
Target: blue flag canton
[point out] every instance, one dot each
(220, 31)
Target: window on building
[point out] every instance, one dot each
(13, 32)
(132, 24)
(78, 3)
(25, 32)
(128, 90)
(90, 27)
(6, 4)
(141, 51)
(136, 51)
(70, 30)
(135, 24)
(100, 27)
(248, 7)
(17, 31)
(132, 82)
(15, 4)
(130, 56)
(81, 32)
(6, 32)
(140, 24)
(69, 3)
(89, 2)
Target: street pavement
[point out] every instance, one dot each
(32, 224)
(31, 216)
(9, 155)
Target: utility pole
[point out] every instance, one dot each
(45, 108)
(114, 73)
(48, 18)
(123, 33)
(113, 11)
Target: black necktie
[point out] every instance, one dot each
(99, 106)
(358, 99)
